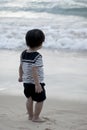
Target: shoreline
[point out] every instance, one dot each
(65, 74)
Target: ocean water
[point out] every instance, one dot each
(64, 23)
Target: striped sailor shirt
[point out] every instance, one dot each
(29, 60)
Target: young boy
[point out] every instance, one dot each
(32, 75)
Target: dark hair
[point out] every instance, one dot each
(34, 38)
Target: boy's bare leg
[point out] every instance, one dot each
(29, 106)
(38, 108)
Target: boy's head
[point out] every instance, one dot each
(34, 38)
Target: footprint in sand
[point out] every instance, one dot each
(49, 120)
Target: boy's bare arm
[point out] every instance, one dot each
(20, 73)
(38, 87)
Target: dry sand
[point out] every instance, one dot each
(59, 115)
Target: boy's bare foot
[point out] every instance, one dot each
(38, 120)
(30, 118)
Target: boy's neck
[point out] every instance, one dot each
(34, 49)
(31, 50)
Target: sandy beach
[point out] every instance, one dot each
(66, 104)
(59, 115)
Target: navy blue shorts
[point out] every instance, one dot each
(29, 91)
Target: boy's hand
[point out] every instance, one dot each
(20, 73)
(38, 88)
(20, 79)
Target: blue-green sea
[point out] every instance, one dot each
(64, 23)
